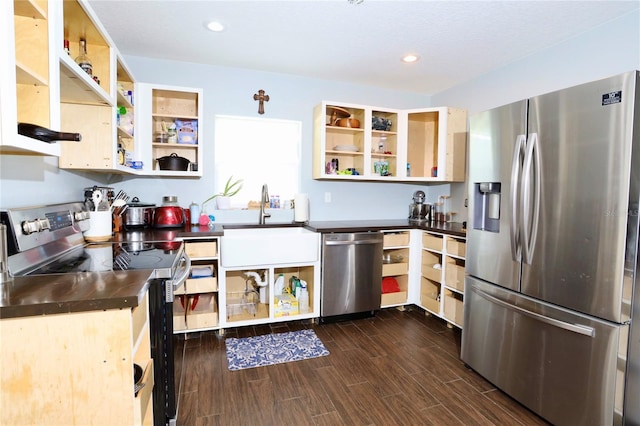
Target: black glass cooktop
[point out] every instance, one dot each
(99, 257)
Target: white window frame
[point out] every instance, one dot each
(240, 152)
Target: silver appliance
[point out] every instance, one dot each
(351, 275)
(48, 240)
(418, 210)
(551, 316)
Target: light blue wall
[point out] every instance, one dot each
(604, 51)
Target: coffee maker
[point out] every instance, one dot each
(418, 210)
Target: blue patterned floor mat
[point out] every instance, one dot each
(258, 351)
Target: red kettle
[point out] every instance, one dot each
(168, 217)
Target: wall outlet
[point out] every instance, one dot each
(327, 197)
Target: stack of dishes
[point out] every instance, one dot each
(348, 148)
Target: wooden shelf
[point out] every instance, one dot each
(76, 86)
(25, 75)
(29, 9)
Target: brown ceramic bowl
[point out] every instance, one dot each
(348, 122)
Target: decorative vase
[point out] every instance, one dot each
(223, 203)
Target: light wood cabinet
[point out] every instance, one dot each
(442, 276)
(395, 264)
(77, 368)
(42, 84)
(125, 117)
(88, 103)
(27, 75)
(422, 145)
(196, 304)
(158, 108)
(241, 300)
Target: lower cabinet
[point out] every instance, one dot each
(419, 267)
(270, 293)
(442, 276)
(395, 268)
(215, 297)
(196, 303)
(77, 368)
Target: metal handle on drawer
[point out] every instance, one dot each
(580, 329)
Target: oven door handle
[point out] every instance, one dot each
(174, 284)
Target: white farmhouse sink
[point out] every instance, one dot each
(268, 246)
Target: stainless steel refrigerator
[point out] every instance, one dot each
(551, 315)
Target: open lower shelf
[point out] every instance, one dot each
(246, 312)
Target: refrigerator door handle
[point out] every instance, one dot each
(529, 222)
(516, 169)
(576, 328)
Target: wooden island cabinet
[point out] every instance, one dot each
(77, 368)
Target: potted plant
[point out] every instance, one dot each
(231, 188)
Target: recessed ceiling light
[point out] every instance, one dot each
(215, 26)
(408, 59)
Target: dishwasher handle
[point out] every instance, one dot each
(351, 243)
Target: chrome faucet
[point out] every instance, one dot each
(264, 198)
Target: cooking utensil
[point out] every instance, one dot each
(137, 214)
(138, 374)
(96, 197)
(173, 162)
(117, 203)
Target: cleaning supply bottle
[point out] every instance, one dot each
(194, 209)
(279, 285)
(303, 297)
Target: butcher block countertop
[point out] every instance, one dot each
(75, 292)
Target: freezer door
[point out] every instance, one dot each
(495, 159)
(560, 364)
(584, 141)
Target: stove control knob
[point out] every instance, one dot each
(29, 227)
(81, 215)
(43, 224)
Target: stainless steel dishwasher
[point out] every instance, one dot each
(351, 275)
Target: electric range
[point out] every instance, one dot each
(49, 239)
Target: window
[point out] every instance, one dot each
(259, 151)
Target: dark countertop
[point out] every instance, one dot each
(453, 228)
(76, 292)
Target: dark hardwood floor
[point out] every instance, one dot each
(398, 368)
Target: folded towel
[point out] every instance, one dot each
(201, 271)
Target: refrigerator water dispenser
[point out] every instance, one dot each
(486, 212)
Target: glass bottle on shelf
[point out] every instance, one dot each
(83, 60)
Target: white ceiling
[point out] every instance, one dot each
(356, 43)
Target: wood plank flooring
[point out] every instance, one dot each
(398, 368)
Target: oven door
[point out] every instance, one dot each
(161, 294)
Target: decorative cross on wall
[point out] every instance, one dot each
(261, 98)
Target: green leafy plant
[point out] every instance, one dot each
(231, 188)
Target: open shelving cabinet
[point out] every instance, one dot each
(422, 145)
